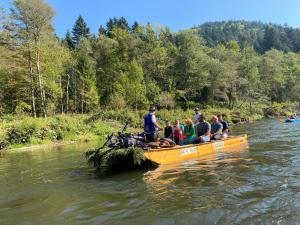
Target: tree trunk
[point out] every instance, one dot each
(32, 86)
(61, 96)
(75, 93)
(250, 104)
(82, 99)
(41, 85)
(67, 100)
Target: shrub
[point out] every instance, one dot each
(20, 132)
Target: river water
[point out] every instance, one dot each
(256, 186)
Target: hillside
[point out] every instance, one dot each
(261, 35)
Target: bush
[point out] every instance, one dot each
(23, 109)
(20, 133)
(3, 141)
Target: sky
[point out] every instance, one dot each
(176, 14)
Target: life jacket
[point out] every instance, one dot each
(148, 124)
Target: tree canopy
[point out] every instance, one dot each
(131, 65)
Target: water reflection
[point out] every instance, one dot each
(191, 185)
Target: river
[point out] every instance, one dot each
(257, 186)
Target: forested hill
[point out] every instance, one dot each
(260, 35)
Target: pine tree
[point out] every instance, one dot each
(101, 31)
(80, 30)
(123, 24)
(135, 26)
(114, 23)
(68, 40)
(271, 38)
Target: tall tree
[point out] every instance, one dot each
(135, 26)
(80, 30)
(69, 40)
(101, 31)
(87, 76)
(33, 25)
(136, 89)
(191, 65)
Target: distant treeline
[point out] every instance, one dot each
(132, 66)
(261, 36)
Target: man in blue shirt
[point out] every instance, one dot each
(151, 126)
(216, 129)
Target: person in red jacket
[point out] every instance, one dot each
(177, 133)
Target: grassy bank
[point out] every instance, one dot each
(22, 131)
(17, 132)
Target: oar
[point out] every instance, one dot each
(105, 143)
(110, 137)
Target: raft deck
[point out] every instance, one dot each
(187, 152)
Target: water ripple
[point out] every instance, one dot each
(259, 186)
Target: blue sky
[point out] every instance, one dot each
(176, 14)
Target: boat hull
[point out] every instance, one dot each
(183, 153)
(292, 121)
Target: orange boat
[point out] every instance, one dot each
(187, 152)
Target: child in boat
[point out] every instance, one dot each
(168, 132)
(189, 132)
(177, 133)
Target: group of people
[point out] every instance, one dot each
(293, 117)
(193, 131)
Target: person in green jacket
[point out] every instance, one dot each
(189, 132)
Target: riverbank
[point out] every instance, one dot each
(26, 132)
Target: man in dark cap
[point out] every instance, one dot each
(151, 126)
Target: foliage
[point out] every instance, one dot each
(236, 65)
(24, 130)
(107, 160)
(261, 36)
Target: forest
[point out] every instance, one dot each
(263, 37)
(132, 66)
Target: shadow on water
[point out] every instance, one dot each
(259, 186)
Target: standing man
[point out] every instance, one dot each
(151, 126)
(196, 116)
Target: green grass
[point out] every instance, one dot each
(17, 132)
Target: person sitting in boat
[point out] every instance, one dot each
(225, 126)
(196, 116)
(168, 132)
(216, 129)
(189, 132)
(203, 131)
(293, 117)
(177, 133)
(151, 126)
